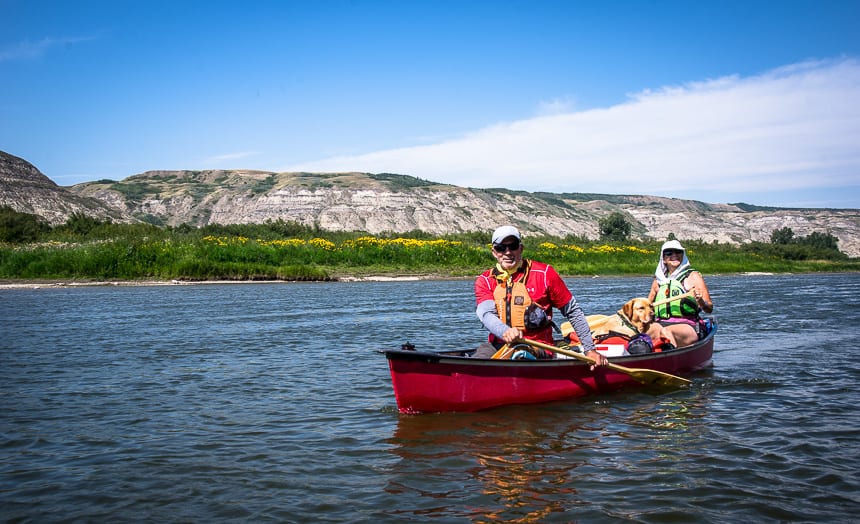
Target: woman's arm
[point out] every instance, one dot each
(653, 293)
(700, 291)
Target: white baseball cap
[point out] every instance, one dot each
(504, 232)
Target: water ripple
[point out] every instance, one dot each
(270, 403)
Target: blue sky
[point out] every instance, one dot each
(725, 101)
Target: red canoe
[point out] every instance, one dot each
(431, 382)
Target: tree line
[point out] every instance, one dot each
(783, 242)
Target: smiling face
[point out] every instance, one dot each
(672, 258)
(508, 253)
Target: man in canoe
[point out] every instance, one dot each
(515, 300)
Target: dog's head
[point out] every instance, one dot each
(639, 312)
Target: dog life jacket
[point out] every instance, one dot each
(686, 307)
(626, 322)
(513, 302)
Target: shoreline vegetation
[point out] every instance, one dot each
(88, 252)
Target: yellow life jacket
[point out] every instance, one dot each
(686, 307)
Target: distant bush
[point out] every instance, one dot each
(134, 191)
(396, 182)
(268, 230)
(261, 186)
(782, 236)
(614, 227)
(81, 224)
(16, 227)
(814, 246)
(820, 241)
(794, 251)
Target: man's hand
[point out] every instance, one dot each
(512, 335)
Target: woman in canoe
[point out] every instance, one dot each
(674, 277)
(515, 300)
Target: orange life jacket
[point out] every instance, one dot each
(512, 298)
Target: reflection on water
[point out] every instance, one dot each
(538, 463)
(501, 467)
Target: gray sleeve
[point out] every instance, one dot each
(574, 314)
(486, 312)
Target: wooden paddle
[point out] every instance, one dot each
(672, 299)
(648, 377)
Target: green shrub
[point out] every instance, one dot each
(614, 227)
(18, 227)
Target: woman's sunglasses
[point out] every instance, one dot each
(501, 248)
(670, 252)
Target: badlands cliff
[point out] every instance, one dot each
(387, 203)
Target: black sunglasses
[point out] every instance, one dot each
(668, 252)
(501, 248)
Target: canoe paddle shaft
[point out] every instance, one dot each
(672, 299)
(649, 377)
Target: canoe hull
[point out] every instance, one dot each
(428, 382)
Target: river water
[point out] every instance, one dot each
(271, 403)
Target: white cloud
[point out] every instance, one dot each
(791, 128)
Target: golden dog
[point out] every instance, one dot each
(635, 316)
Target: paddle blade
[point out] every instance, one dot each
(504, 352)
(650, 377)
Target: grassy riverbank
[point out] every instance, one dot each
(282, 251)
